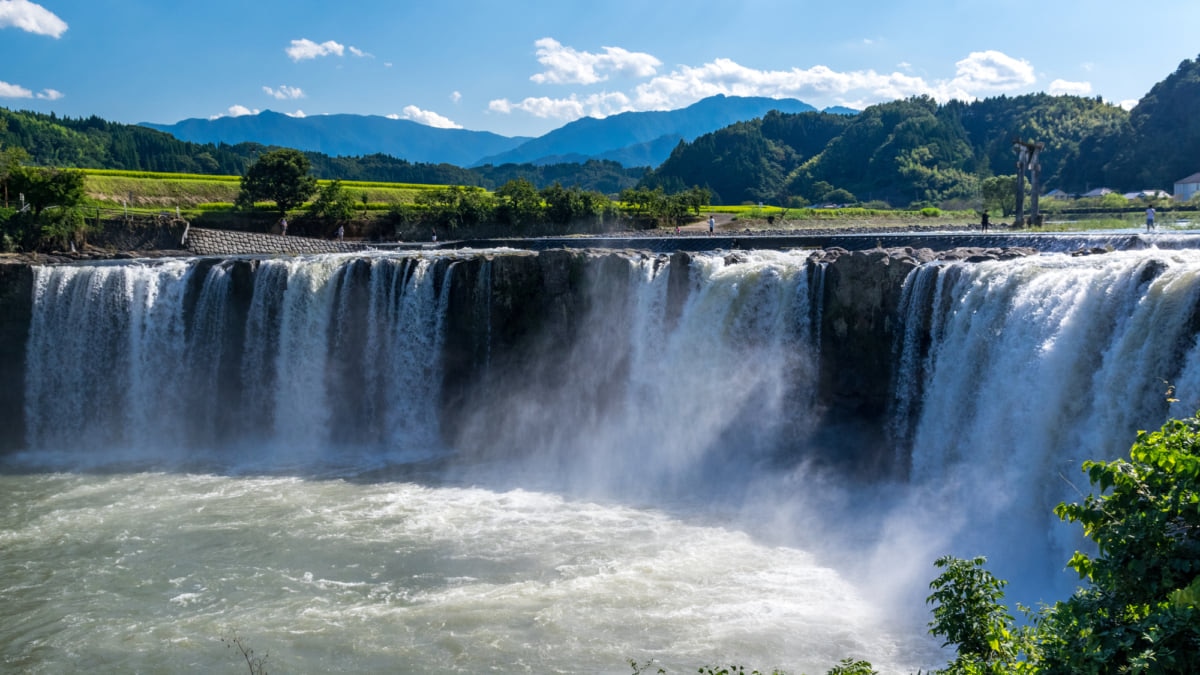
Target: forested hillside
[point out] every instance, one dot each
(918, 151)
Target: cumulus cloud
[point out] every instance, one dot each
(565, 65)
(284, 92)
(14, 91)
(979, 74)
(570, 108)
(298, 113)
(426, 117)
(992, 71)
(307, 49)
(1065, 87)
(17, 91)
(30, 17)
(456, 96)
(235, 111)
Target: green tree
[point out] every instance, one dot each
(52, 197)
(10, 159)
(281, 176)
(1141, 609)
(333, 203)
(46, 187)
(1000, 192)
(457, 206)
(969, 614)
(519, 204)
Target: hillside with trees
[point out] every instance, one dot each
(916, 151)
(93, 143)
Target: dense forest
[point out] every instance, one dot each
(906, 152)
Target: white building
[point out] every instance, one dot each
(1186, 188)
(1147, 194)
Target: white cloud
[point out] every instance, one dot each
(298, 114)
(1074, 88)
(979, 74)
(456, 96)
(30, 17)
(992, 71)
(14, 91)
(355, 51)
(236, 111)
(565, 65)
(17, 91)
(307, 49)
(284, 92)
(570, 108)
(1129, 103)
(426, 117)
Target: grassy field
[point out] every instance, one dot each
(213, 196)
(190, 193)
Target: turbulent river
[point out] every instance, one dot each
(199, 466)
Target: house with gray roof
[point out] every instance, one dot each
(1186, 188)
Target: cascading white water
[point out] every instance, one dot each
(1033, 366)
(330, 370)
(650, 497)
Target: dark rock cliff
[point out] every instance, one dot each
(16, 298)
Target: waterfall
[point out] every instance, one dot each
(1011, 374)
(328, 350)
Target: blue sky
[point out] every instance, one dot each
(524, 68)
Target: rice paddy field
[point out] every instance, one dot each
(152, 192)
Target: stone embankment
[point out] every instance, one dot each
(230, 242)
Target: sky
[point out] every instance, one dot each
(523, 68)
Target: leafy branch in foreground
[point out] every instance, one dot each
(256, 664)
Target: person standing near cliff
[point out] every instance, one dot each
(712, 224)
(1149, 218)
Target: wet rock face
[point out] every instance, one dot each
(859, 325)
(16, 306)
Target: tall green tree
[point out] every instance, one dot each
(1000, 192)
(281, 176)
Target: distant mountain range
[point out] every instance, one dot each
(631, 139)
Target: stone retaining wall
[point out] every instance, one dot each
(229, 242)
